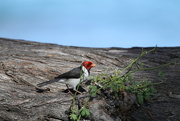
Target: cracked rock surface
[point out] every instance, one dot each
(24, 64)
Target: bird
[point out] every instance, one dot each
(73, 77)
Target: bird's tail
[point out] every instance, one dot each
(47, 82)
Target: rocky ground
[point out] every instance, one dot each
(24, 64)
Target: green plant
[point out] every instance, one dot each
(143, 90)
(122, 80)
(116, 84)
(119, 81)
(77, 114)
(161, 74)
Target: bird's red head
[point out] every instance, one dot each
(88, 64)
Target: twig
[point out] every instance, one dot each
(150, 114)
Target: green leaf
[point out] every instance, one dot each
(140, 98)
(129, 77)
(84, 112)
(161, 74)
(93, 90)
(73, 117)
(87, 113)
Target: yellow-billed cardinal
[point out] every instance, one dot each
(72, 77)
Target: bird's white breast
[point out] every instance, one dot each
(71, 82)
(85, 72)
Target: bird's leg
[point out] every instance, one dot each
(69, 90)
(67, 86)
(73, 89)
(77, 90)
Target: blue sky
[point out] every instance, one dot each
(93, 23)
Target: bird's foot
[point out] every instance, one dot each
(78, 91)
(69, 92)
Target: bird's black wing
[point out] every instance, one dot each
(74, 73)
